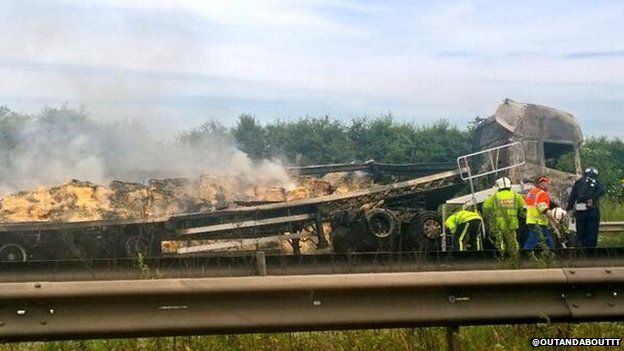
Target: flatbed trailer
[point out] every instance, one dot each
(127, 238)
(270, 218)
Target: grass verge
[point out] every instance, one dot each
(500, 337)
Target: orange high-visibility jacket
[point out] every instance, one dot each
(537, 202)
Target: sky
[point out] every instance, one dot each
(174, 64)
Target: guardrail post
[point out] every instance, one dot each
(452, 338)
(261, 263)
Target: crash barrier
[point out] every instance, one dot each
(192, 306)
(611, 227)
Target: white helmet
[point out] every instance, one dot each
(558, 213)
(503, 183)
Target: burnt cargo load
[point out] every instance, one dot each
(400, 202)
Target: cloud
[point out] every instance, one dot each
(297, 15)
(594, 54)
(181, 61)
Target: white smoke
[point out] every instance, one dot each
(62, 144)
(263, 172)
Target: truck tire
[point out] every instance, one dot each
(140, 244)
(12, 252)
(428, 230)
(381, 223)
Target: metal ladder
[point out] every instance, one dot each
(488, 161)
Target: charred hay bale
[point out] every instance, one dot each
(130, 200)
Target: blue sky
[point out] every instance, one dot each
(176, 63)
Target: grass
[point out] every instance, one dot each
(611, 211)
(502, 338)
(611, 240)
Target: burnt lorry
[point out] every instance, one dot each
(401, 215)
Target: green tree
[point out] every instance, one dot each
(211, 132)
(441, 142)
(607, 155)
(251, 137)
(381, 139)
(309, 141)
(386, 140)
(10, 125)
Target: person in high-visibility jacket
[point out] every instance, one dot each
(501, 213)
(537, 203)
(465, 226)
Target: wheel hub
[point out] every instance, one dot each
(432, 229)
(13, 253)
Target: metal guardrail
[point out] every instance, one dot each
(245, 265)
(611, 227)
(92, 309)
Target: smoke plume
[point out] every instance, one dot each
(59, 144)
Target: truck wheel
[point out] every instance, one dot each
(429, 230)
(13, 253)
(137, 244)
(381, 223)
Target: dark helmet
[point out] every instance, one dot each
(591, 172)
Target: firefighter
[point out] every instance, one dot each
(537, 203)
(501, 213)
(465, 225)
(584, 201)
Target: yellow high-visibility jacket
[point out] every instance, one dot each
(502, 207)
(460, 217)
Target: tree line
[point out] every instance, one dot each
(313, 140)
(318, 140)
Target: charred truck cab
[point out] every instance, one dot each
(551, 141)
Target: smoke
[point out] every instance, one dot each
(62, 143)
